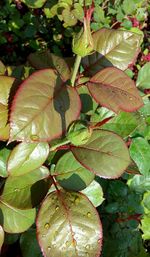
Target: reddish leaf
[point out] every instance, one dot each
(113, 89)
(43, 108)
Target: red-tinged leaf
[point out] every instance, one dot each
(105, 154)
(117, 48)
(5, 86)
(45, 59)
(113, 89)
(43, 108)
(69, 225)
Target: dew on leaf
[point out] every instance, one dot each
(77, 200)
(57, 208)
(89, 214)
(47, 226)
(49, 248)
(87, 247)
(34, 137)
(16, 189)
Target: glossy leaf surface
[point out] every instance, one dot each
(118, 47)
(140, 183)
(4, 154)
(140, 153)
(68, 225)
(70, 174)
(113, 89)
(105, 154)
(5, 86)
(34, 3)
(43, 108)
(26, 191)
(26, 157)
(15, 220)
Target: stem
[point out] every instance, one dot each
(145, 96)
(61, 143)
(75, 69)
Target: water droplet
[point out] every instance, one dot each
(77, 200)
(130, 98)
(49, 248)
(89, 214)
(87, 247)
(57, 66)
(34, 137)
(57, 208)
(99, 241)
(16, 189)
(47, 226)
(43, 235)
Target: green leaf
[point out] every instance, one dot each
(26, 157)
(124, 123)
(94, 193)
(29, 245)
(70, 174)
(2, 68)
(129, 7)
(105, 154)
(4, 154)
(43, 108)
(34, 3)
(145, 226)
(113, 89)
(26, 191)
(45, 59)
(140, 183)
(143, 79)
(140, 153)
(116, 47)
(1, 237)
(15, 220)
(5, 86)
(68, 225)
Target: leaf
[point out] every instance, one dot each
(43, 108)
(117, 48)
(113, 89)
(139, 183)
(68, 225)
(124, 123)
(45, 59)
(2, 68)
(94, 193)
(105, 154)
(5, 86)
(70, 174)
(26, 157)
(34, 3)
(145, 221)
(29, 245)
(1, 237)
(143, 79)
(4, 154)
(140, 153)
(15, 220)
(26, 191)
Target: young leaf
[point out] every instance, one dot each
(105, 154)
(70, 174)
(95, 193)
(26, 191)
(15, 220)
(143, 79)
(140, 153)
(26, 157)
(113, 89)
(68, 225)
(1, 237)
(119, 47)
(5, 86)
(43, 108)
(139, 184)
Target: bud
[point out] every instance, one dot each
(79, 133)
(83, 41)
